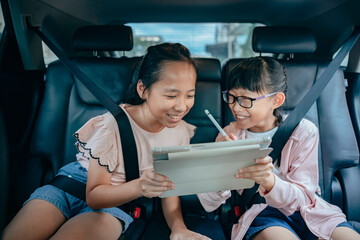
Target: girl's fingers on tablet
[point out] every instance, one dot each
(153, 176)
(266, 159)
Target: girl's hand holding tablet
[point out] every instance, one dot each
(153, 184)
(261, 172)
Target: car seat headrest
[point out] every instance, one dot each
(112, 75)
(208, 69)
(283, 40)
(103, 38)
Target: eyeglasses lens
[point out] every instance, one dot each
(245, 102)
(225, 96)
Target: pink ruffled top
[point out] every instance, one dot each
(99, 140)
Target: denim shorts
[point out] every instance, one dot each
(270, 217)
(71, 206)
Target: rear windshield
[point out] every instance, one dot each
(216, 40)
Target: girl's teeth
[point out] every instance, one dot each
(174, 116)
(241, 117)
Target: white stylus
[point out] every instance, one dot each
(215, 123)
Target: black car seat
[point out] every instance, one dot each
(4, 173)
(208, 87)
(18, 125)
(67, 105)
(349, 176)
(338, 148)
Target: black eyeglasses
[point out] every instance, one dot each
(243, 101)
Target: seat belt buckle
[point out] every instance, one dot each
(235, 214)
(237, 211)
(136, 213)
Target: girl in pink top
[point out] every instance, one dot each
(155, 106)
(292, 208)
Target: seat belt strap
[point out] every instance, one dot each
(288, 126)
(105, 100)
(128, 145)
(286, 129)
(70, 185)
(127, 137)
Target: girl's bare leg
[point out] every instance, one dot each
(278, 233)
(38, 219)
(90, 225)
(344, 233)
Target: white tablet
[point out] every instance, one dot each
(208, 167)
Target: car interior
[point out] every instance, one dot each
(44, 103)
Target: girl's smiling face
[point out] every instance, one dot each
(260, 117)
(171, 97)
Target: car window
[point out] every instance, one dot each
(217, 40)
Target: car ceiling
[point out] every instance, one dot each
(266, 11)
(332, 21)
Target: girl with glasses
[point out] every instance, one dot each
(290, 206)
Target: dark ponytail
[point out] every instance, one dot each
(151, 67)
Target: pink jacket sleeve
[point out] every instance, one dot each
(211, 201)
(298, 182)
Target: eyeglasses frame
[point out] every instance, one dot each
(236, 98)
